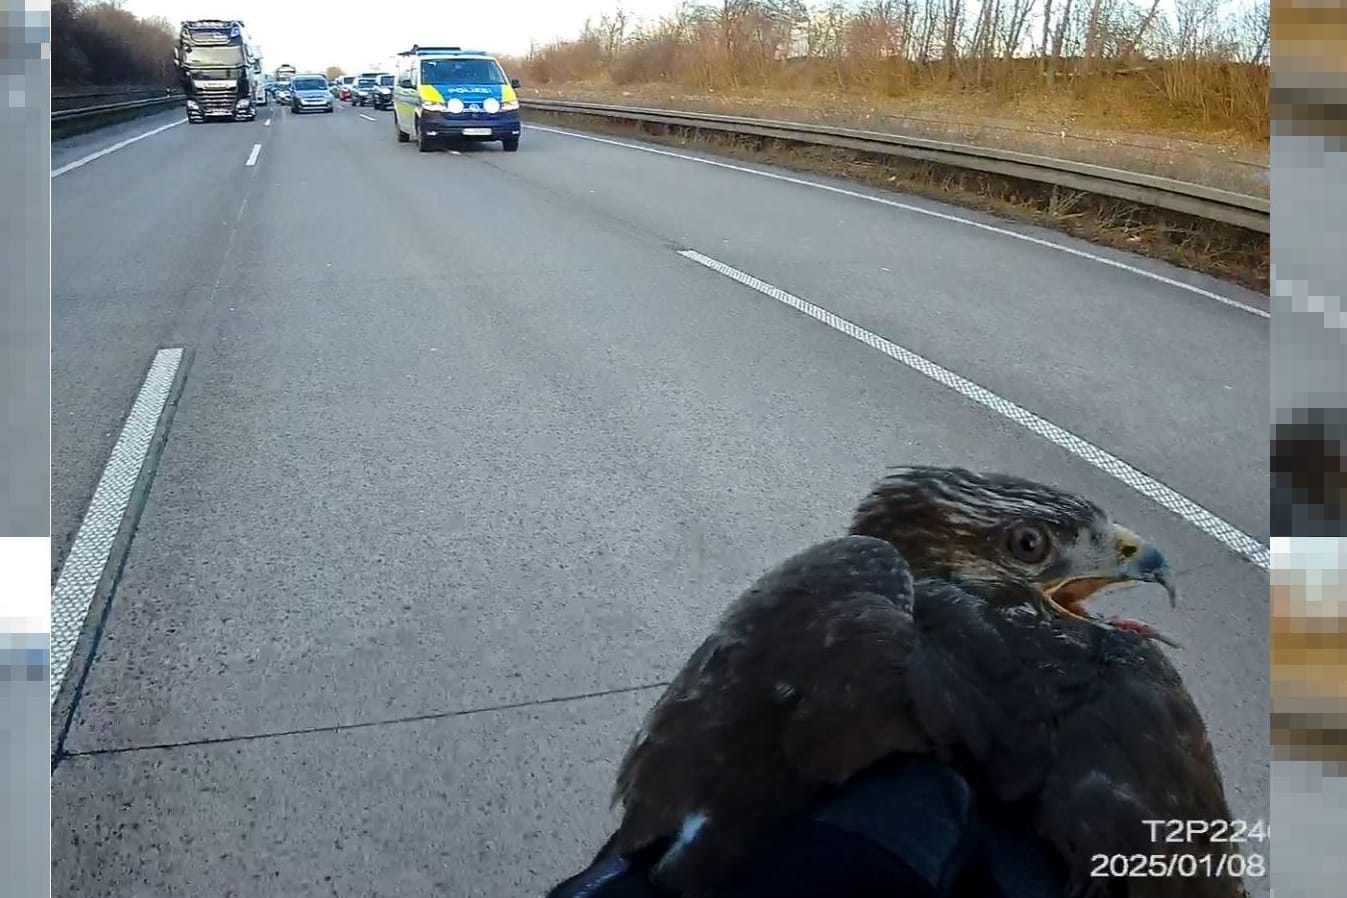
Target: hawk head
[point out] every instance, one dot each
(1010, 536)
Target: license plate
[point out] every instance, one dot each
(476, 132)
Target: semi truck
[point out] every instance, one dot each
(259, 81)
(218, 68)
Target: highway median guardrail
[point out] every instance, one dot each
(87, 112)
(1210, 203)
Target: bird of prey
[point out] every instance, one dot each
(950, 622)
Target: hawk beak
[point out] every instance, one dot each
(1137, 561)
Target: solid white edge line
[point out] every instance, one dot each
(908, 207)
(83, 567)
(252, 157)
(71, 166)
(1204, 520)
(368, 118)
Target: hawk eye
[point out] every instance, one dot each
(1028, 543)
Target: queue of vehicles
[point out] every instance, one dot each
(436, 94)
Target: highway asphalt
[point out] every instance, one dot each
(466, 457)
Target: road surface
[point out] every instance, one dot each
(464, 451)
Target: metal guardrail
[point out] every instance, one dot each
(75, 96)
(81, 112)
(1210, 203)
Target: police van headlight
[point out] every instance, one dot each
(491, 105)
(509, 106)
(454, 105)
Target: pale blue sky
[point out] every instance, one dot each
(313, 36)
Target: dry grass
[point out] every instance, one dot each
(1061, 128)
(1231, 253)
(1180, 92)
(1115, 82)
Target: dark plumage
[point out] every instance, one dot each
(951, 623)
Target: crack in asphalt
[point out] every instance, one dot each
(362, 725)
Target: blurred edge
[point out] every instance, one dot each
(1309, 653)
(25, 717)
(25, 553)
(1308, 476)
(1309, 716)
(1308, 468)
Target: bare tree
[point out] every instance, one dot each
(101, 43)
(1256, 29)
(1092, 35)
(1192, 56)
(1012, 38)
(1130, 45)
(612, 32)
(953, 18)
(1059, 36)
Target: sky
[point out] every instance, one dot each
(312, 36)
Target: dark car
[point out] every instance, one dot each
(362, 89)
(382, 95)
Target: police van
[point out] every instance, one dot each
(450, 93)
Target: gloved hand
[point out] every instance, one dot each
(908, 828)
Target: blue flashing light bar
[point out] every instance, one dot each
(418, 50)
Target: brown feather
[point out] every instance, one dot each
(837, 658)
(748, 734)
(1090, 730)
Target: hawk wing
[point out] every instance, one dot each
(1092, 727)
(1136, 749)
(802, 684)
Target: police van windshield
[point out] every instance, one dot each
(385, 80)
(461, 71)
(364, 82)
(309, 84)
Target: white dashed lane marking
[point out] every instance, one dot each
(1168, 498)
(908, 207)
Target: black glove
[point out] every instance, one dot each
(908, 828)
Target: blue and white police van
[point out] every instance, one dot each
(445, 93)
